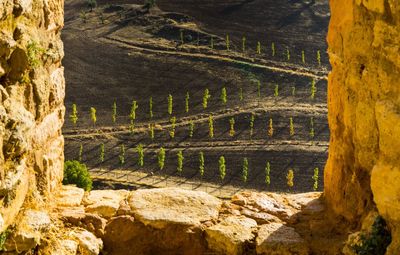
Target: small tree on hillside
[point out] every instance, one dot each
(93, 115)
(91, 4)
(161, 158)
(210, 126)
(180, 159)
(232, 127)
(170, 104)
(114, 112)
(206, 97)
(222, 167)
(245, 169)
(140, 152)
(102, 153)
(223, 96)
(74, 114)
(187, 98)
(201, 164)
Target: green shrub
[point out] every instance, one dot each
(173, 126)
(91, 4)
(151, 131)
(376, 241)
(3, 238)
(74, 114)
(77, 173)
(34, 51)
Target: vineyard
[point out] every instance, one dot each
(189, 106)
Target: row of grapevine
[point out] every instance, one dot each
(222, 168)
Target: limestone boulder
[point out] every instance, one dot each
(69, 196)
(104, 202)
(278, 239)
(162, 207)
(89, 244)
(231, 235)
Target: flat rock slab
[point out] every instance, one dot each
(70, 196)
(104, 202)
(230, 235)
(162, 207)
(278, 239)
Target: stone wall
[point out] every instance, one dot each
(31, 103)
(363, 169)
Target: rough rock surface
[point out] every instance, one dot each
(31, 103)
(363, 171)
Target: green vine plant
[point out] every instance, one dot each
(151, 131)
(319, 57)
(276, 90)
(180, 159)
(273, 49)
(241, 94)
(315, 178)
(173, 126)
(232, 127)
(267, 174)
(290, 178)
(132, 115)
(3, 238)
(114, 112)
(245, 170)
(170, 104)
(312, 132)
(303, 57)
(93, 116)
(224, 99)
(74, 114)
(222, 168)
(121, 156)
(243, 44)
(80, 153)
(252, 118)
(187, 98)
(270, 128)
(206, 97)
(211, 126)
(102, 153)
(140, 152)
(291, 126)
(313, 88)
(191, 128)
(201, 164)
(161, 158)
(34, 52)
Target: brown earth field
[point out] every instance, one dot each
(121, 52)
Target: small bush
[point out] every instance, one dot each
(303, 57)
(93, 115)
(187, 98)
(201, 164)
(267, 173)
(276, 90)
(291, 126)
(114, 112)
(245, 169)
(270, 128)
(80, 153)
(211, 126)
(180, 159)
(191, 128)
(91, 4)
(140, 153)
(273, 49)
(315, 178)
(173, 126)
(161, 158)
(74, 114)
(222, 167)
(224, 99)
(290, 178)
(77, 173)
(319, 57)
(102, 152)
(206, 97)
(170, 104)
(232, 127)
